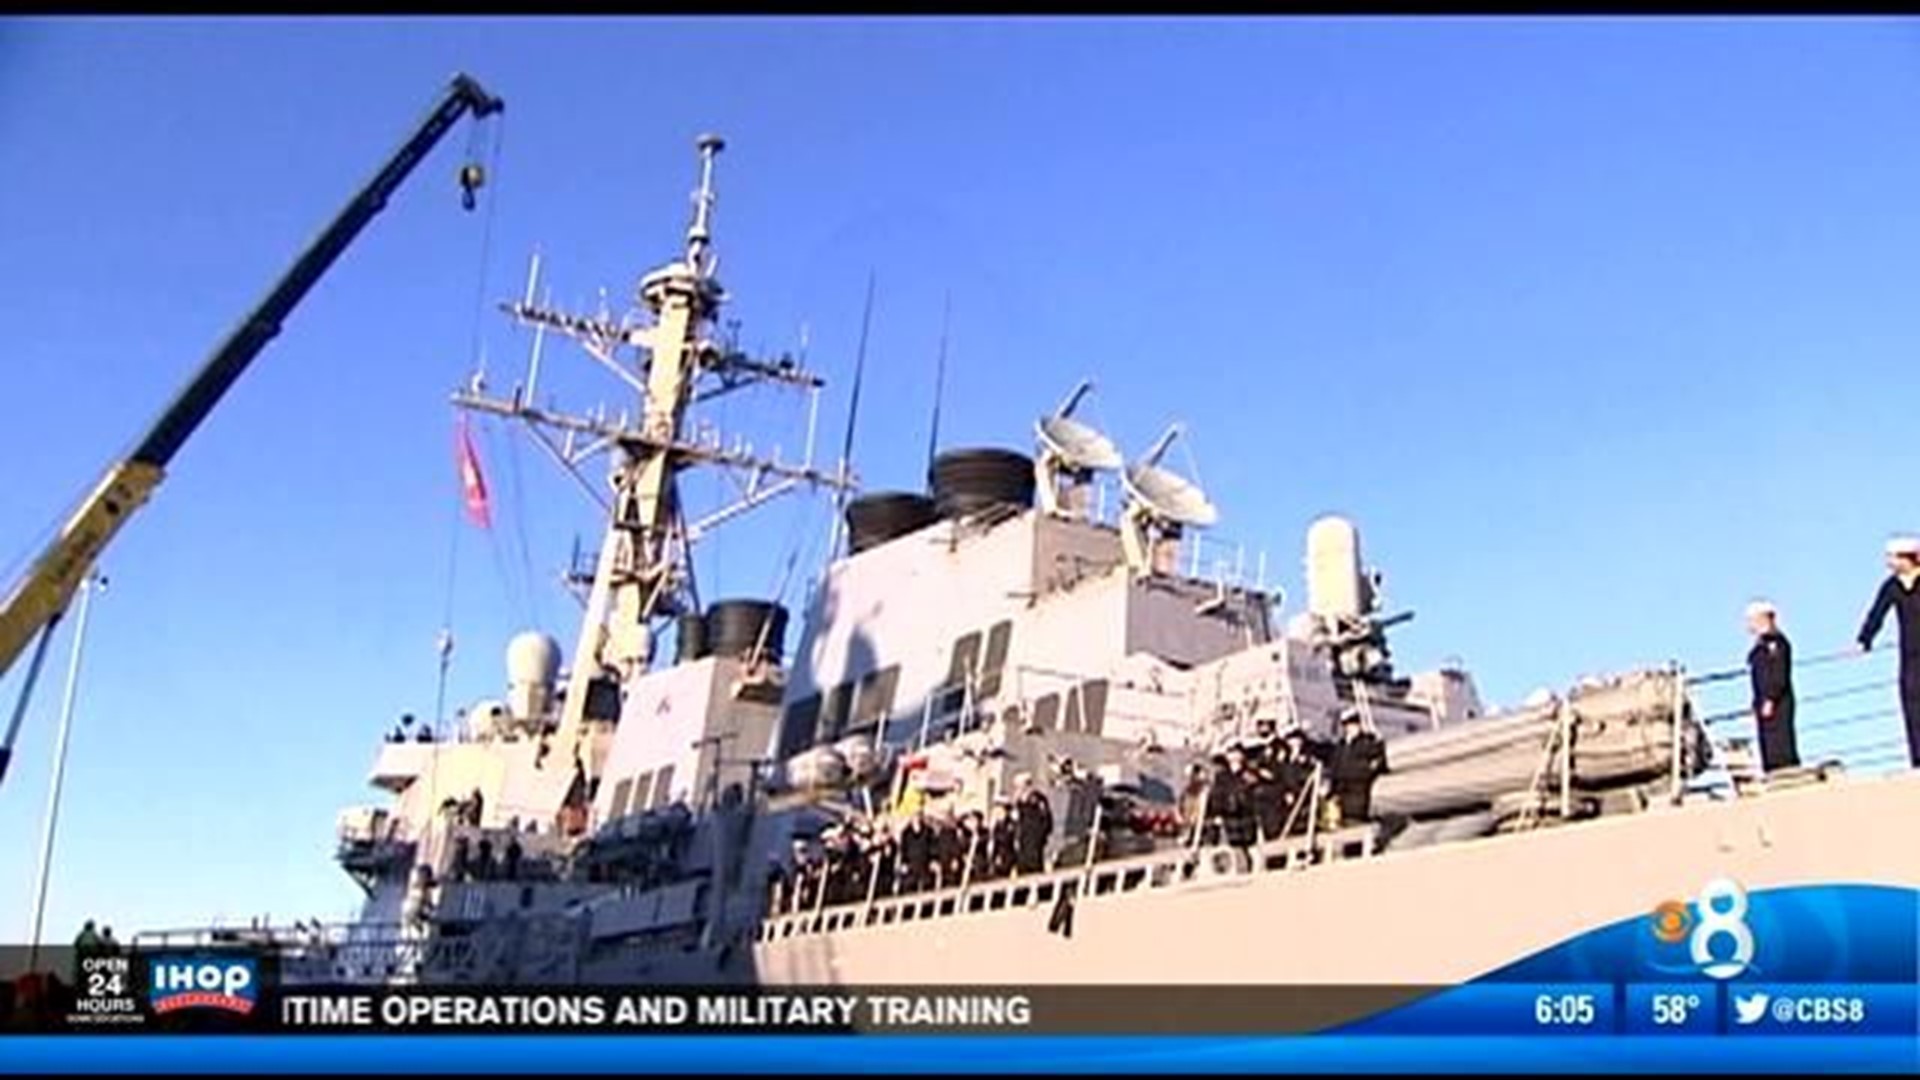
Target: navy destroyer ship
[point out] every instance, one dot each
(672, 799)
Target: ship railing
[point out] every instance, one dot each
(310, 952)
(1224, 563)
(259, 934)
(941, 720)
(1311, 802)
(542, 855)
(1166, 867)
(1833, 727)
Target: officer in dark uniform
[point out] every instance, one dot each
(1213, 800)
(916, 854)
(1771, 666)
(1233, 799)
(859, 864)
(808, 869)
(1263, 787)
(886, 861)
(974, 835)
(1356, 760)
(1033, 825)
(1901, 593)
(1002, 837)
(1295, 773)
(510, 861)
(950, 848)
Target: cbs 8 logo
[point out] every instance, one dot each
(1723, 914)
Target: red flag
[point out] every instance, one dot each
(473, 485)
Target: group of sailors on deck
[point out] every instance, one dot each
(1269, 784)
(1258, 788)
(917, 853)
(480, 862)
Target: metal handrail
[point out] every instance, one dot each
(1309, 796)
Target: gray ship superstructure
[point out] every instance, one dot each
(634, 817)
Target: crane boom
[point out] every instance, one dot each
(36, 601)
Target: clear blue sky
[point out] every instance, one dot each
(1598, 327)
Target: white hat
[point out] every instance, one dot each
(1761, 607)
(1904, 545)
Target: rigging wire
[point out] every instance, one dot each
(518, 509)
(514, 590)
(444, 645)
(939, 382)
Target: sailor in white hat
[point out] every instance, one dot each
(1352, 766)
(1901, 593)
(1770, 664)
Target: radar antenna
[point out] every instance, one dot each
(671, 362)
(1071, 452)
(1161, 505)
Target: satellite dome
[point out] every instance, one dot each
(532, 657)
(1336, 582)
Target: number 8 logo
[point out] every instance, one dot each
(1714, 922)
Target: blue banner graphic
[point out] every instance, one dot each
(1784, 980)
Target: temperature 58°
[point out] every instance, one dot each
(1673, 1009)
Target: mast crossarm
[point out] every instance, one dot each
(635, 439)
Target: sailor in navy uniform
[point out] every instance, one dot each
(1357, 759)
(1264, 788)
(1295, 770)
(1771, 666)
(1901, 593)
(1033, 826)
(916, 854)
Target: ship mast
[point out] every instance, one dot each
(644, 572)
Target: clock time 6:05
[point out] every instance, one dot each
(1569, 1010)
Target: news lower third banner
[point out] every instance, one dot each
(213, 991)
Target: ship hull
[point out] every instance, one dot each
(1433, 916)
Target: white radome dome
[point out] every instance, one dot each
(533, 657)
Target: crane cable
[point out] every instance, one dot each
(518, 595)
(516, 498)
(472, 177)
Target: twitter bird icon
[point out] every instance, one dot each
(1750, 1008)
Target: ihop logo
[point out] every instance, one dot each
(229, 984)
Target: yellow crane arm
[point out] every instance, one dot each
(49, 586)
(37, 601)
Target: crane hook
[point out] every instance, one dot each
(472, 179)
